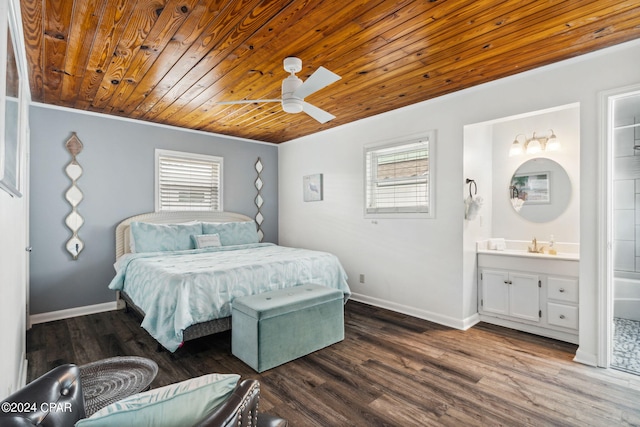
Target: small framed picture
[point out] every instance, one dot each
(312, 187)
(533, 188)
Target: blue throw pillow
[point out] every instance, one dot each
(149, 237)
(181, 404)
(233, 233)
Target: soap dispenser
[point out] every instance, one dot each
(552, 249)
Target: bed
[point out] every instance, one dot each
(180, 271)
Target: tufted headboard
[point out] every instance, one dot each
(170, 217)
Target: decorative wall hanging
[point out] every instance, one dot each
(312, 187)
(258, 200)
(74, 196)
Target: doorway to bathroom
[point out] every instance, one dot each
(623, 278)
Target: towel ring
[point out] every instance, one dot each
(475, 186)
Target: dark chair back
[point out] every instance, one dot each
(53, 400)
(240, 409)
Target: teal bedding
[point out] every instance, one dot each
(181, 288)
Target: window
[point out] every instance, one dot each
(399, 177)
(188, 182)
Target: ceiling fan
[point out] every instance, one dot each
(295, 90)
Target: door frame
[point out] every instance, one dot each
(605, 220)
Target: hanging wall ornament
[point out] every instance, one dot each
(74, 196)
(258, 200)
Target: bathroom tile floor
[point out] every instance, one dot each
(626, 345)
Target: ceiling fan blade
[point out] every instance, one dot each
(319, 79)
(317, 113)
(247, 101)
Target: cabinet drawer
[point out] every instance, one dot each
(562, 289)
(562, 315)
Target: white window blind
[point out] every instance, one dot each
(398, 177)
(188, 182)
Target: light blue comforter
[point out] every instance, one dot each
(181, 288)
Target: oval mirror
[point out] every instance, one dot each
(540, 190)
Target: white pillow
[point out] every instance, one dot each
(181, 404)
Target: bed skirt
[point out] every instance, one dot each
(192, 332)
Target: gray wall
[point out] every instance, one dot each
(118, 182)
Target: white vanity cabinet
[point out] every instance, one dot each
(529, 292)
(510, 293)
(562, 302)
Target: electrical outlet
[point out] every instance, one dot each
(362, 278)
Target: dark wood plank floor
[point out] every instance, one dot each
(391, 370)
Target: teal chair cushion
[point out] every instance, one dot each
(181, 404)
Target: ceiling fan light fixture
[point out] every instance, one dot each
(289, 85)
(292, 105)
(294, 91)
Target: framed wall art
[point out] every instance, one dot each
(312, 187)
(533, 187)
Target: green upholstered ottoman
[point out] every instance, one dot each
(276, 327)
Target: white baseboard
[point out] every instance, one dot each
(22, 377)
(72, 312)
(586, 358)
(462, 324)
(470, 321)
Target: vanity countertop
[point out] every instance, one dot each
(519, 253)
(518, 248)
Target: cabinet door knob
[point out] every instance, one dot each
(562, 316)
(561, 290)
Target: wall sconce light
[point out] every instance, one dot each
(552, 144)
(516, 148)
(535, 144)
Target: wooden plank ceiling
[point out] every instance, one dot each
(171, 61)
